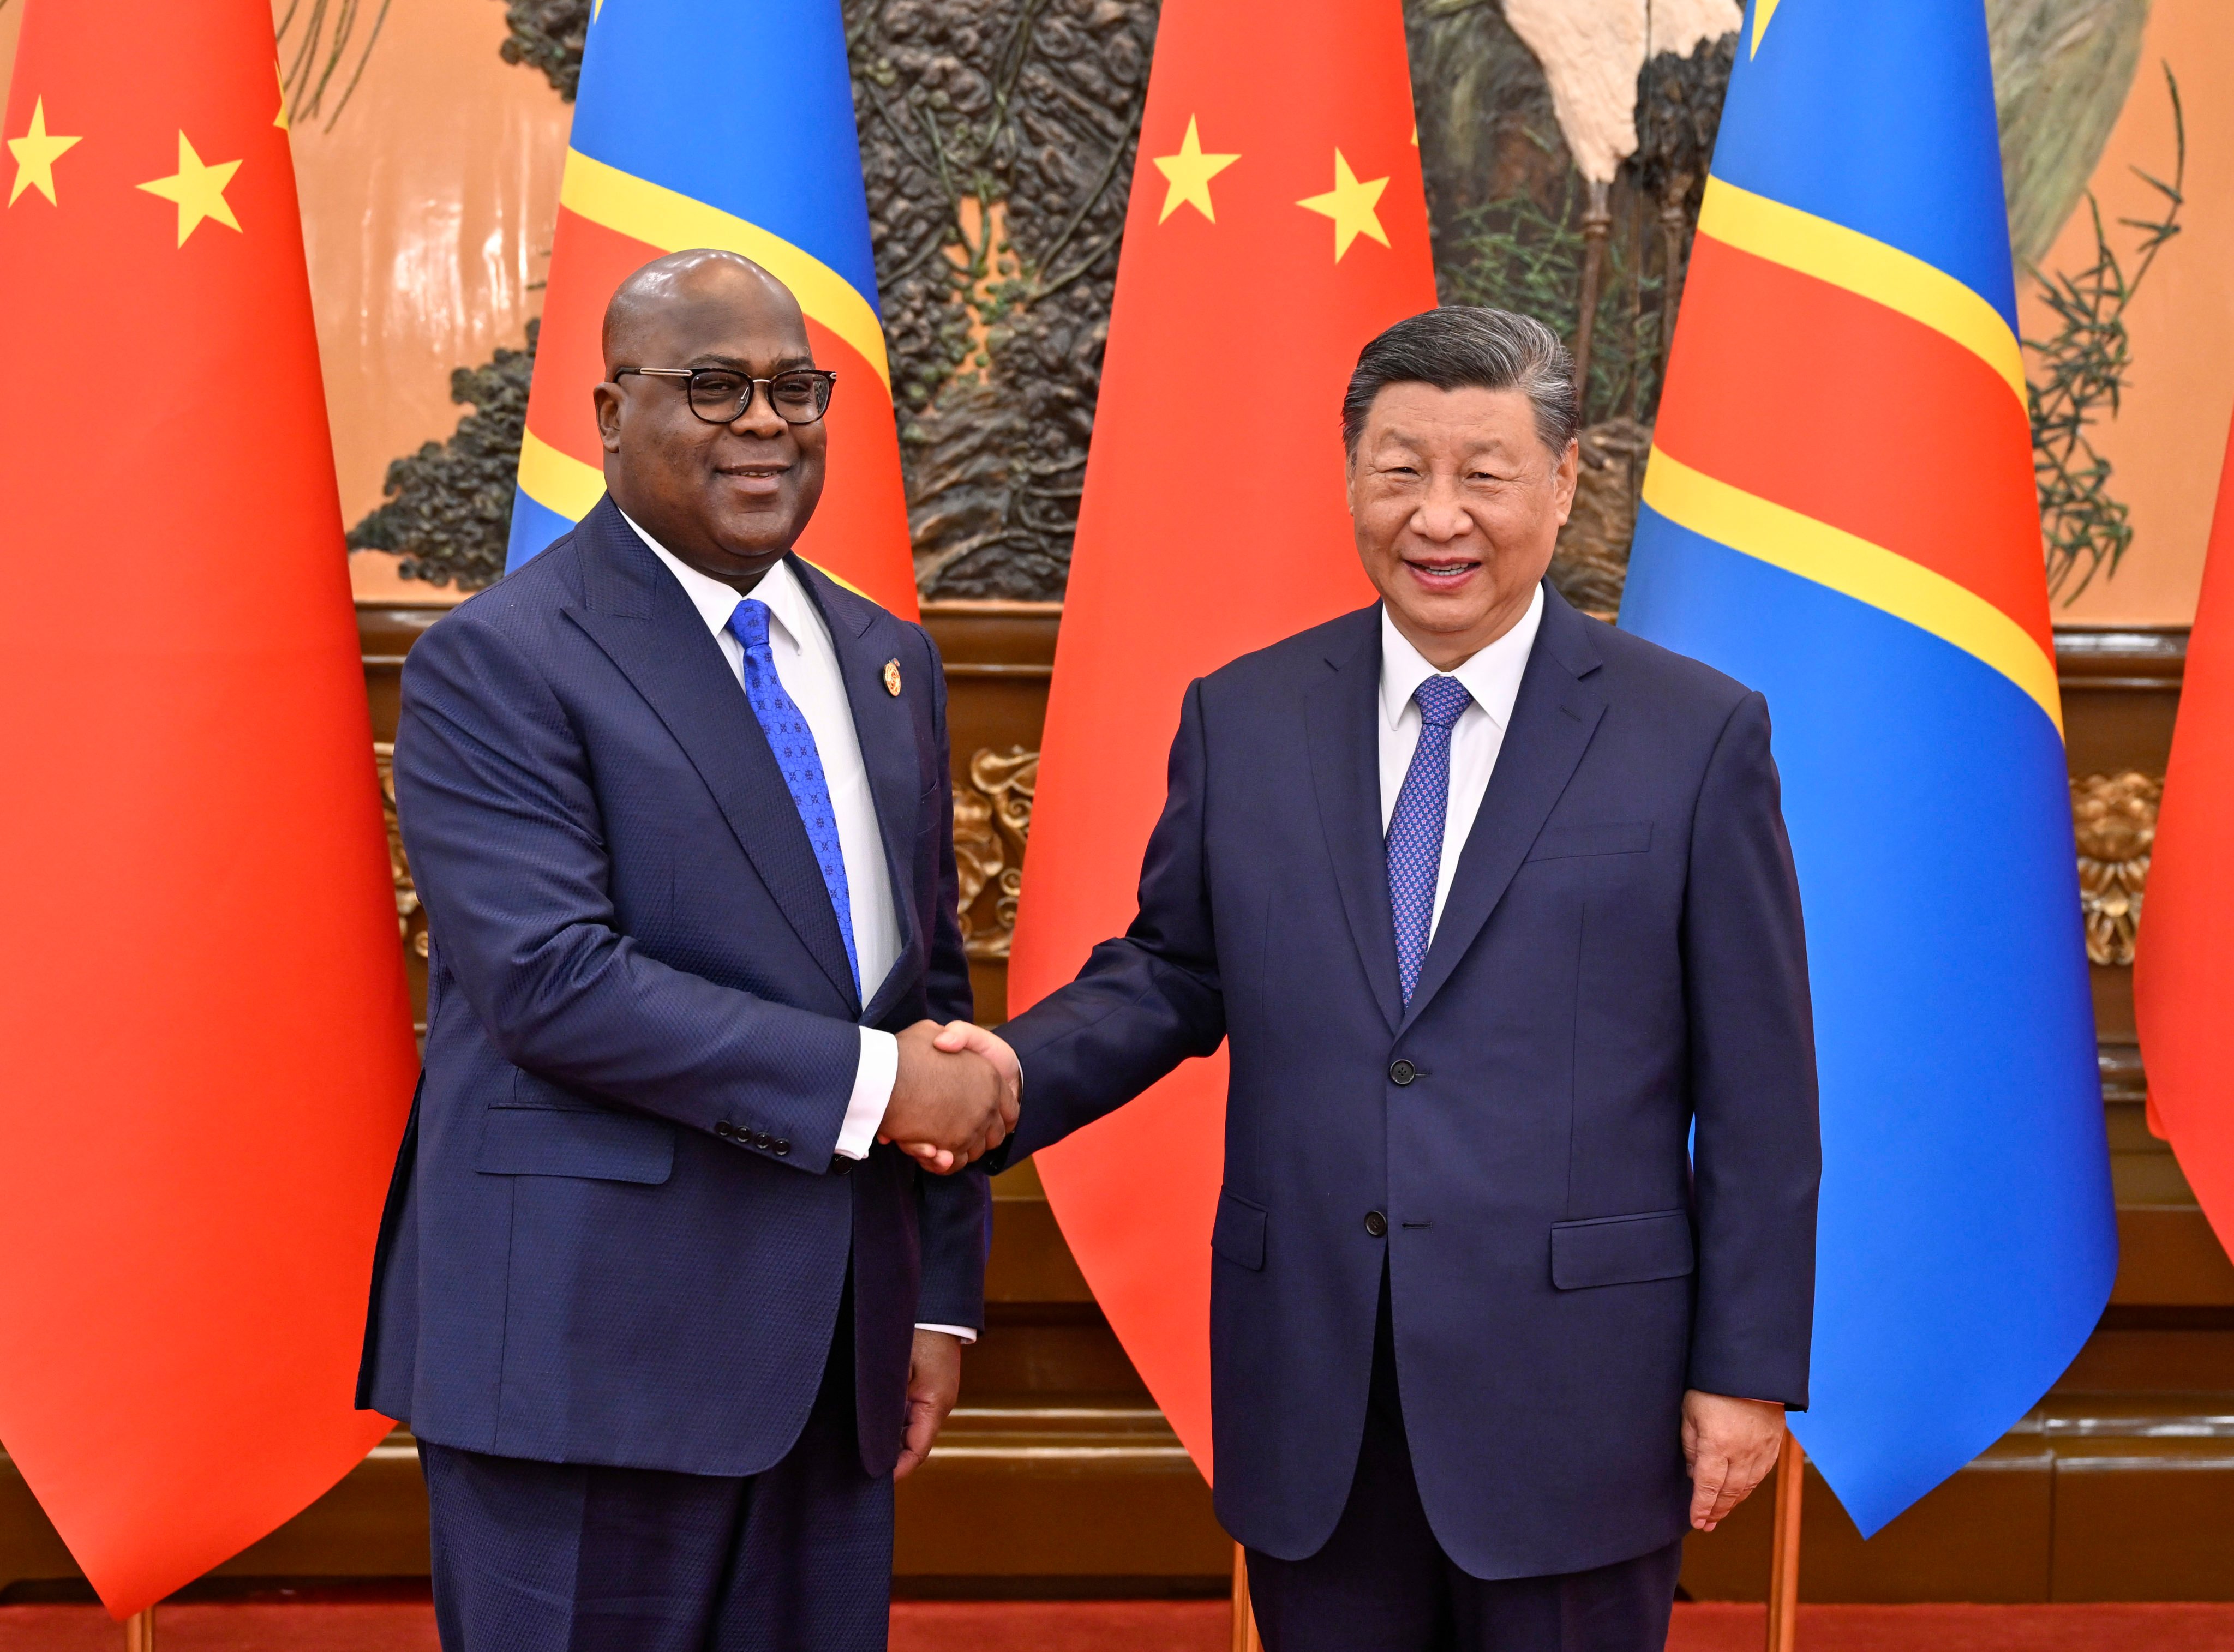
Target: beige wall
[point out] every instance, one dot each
(2167, 442)
(427, 213)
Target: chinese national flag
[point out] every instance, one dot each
(1277, 224)
(208, 1043)
(2184, 963)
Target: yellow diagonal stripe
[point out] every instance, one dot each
(1863, 264)
(558, 480)
(563, 483)
(1867, 573)
(660, 217)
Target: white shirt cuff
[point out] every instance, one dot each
(874, 1076)
(967, 1335)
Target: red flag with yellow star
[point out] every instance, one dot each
(208, 1038)
(1276, 223)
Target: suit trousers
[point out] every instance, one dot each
(535, 1557)
(1382, 1584)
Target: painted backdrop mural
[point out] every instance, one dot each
(1563, 142)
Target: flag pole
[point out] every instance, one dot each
(139, 1631)
(1784, 1551)
(1244, 1620)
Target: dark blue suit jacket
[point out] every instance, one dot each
(1619, 961)
(617, 1233)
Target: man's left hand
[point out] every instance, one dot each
(1730, 1444)
(934, 1384)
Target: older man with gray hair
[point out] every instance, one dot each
(1514, 1260)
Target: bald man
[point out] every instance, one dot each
(665, 1312)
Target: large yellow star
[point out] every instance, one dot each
(199, 190)
(35, 152)
(1350, 204)
(1189, 172)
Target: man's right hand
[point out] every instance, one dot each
(946, 1108)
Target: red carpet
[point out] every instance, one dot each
(1164, 1626)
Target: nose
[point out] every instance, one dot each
(1441, 517)
(758, 417)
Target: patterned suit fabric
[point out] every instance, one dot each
(793, 742)
(1416, 826)
(620, 1234)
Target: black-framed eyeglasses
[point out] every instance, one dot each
(723, 395)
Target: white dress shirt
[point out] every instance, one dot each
(807, 665)
(1492, 677)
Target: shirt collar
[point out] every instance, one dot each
(789, 605)
(1492, 676)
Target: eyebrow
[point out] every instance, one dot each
(782, 364)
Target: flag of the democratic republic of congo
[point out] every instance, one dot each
(707, 123)
(207, 1034)
(1840, 512)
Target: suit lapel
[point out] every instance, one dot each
(1554, 719)
(635, 612)
(1346, 775)
(865, 637)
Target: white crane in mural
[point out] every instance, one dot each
(1592, 52)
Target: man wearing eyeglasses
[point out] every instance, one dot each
(665, 1316)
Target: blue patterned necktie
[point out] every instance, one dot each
(1416, 826)
(793, 742)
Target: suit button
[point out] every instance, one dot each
(1403, 1072)
(782, 1149)
(725, 1131)
(840, 1166)
(1376, 1224)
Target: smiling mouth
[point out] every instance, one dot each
(1444, 570)
(756, 478)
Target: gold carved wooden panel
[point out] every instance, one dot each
(2114, 818)
(992, 819)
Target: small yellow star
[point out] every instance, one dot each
(199, 190)
(1189, 172)
(280, 120)
(1762, 11)
(35, 152)
(1350, 204)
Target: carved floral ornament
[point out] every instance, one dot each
(2114, 818)
(992, 819)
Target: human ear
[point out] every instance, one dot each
(607, 398)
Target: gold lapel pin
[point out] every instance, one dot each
(893, 677)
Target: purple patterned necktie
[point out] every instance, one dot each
(1416, 826)
(793, 742)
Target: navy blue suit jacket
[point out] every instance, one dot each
(1619, 961)
(617, 1233)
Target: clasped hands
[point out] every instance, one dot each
(955, 1097)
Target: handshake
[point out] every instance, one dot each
(955, 1097)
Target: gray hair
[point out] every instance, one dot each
(1461, 346)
